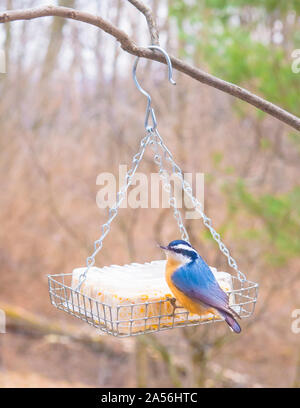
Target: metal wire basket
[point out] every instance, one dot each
(132, 319)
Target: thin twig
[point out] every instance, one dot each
(151, 21)
(128, 45)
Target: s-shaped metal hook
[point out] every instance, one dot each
(149, 109)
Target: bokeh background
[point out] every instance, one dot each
(69, 110)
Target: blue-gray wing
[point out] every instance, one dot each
(197, 281)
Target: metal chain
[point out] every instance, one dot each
(199, 208)
(164, 175)
(154, 139)
(176, 169)
(90, 261)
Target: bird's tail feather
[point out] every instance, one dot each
(230, 320)
(234, 313)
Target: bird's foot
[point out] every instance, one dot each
(173, 303)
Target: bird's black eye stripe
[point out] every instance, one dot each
(189, 253)
(178, 250)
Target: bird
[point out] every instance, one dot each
(193, 284)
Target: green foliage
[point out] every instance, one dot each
(275, 221)
(237, 39)
(217, 158)
(249, 43)
(295, 138)
(265, 143)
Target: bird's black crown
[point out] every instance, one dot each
(177, 242)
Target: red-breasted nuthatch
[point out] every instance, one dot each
(194, 285)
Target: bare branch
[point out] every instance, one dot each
(66, 12)
(128, 45)
(151, 21)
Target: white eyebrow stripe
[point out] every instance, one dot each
(185, 247)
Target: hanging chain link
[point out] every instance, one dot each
(164, 175)
(199, 207)
(113, 211)
(154, 139)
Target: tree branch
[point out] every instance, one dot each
(66, 12)
(128, 45)
(151, 21)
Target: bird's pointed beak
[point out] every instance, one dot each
(163, 247)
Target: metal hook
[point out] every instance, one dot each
(149, 109)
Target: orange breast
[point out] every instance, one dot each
(183, 300)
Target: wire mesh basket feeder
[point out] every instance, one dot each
(135, 299)
(143, 303)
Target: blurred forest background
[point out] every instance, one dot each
(69, 110)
